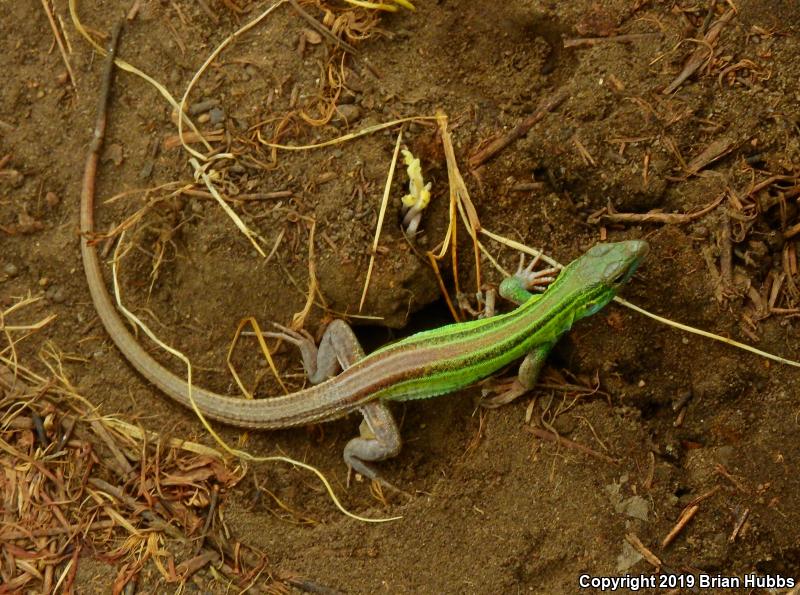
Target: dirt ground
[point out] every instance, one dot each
(669, 423)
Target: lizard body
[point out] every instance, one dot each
(423, 365)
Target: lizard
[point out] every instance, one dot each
(423, 365)
(427, 364)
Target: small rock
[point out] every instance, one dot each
(200, 107)
(56, 294)
(635, 507)
(52, 199)
(216, 115)
(10, 269)
(564, 425)
(628, 557)
(347, 113)
(14, 177)
(326, 176)
(312, 36)
(353, 81)
(726, 455)
(347, 96)
(114, 153)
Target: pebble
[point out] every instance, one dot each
(202, 106)
(353, 81)
(564, 424)
(216, 115)
(14, 177)
(348, 113)
(10, 269)
(56, 294)
(52, 199)
(347, 97)
(312, 37)
(115, 153)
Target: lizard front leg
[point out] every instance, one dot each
(516, 289)
(525, 380)
(338, 350)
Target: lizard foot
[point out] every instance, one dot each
(534, 280)
(372, 475)
(497, 393)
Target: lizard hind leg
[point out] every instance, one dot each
(379, 440)
(338, 349)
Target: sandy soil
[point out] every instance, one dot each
(495, 508)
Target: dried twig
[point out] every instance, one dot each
(685, 517)
(592, 41)
(648, 555)
(546, 435)
(608, 215)
(702, 53)
(276, 195)
(323, 29)
(715, 150)
(60, 43)
(491, 151)
(740, 521)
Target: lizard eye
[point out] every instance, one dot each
(621, 275)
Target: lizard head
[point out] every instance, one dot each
(595, 278)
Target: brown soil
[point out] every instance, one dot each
(495, 508)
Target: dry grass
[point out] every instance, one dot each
(75, 485)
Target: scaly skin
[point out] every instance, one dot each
(423, 365)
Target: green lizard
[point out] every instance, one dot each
(423, 365)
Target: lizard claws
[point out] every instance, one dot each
(293, 336)
(501, 392)
(534, 280)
